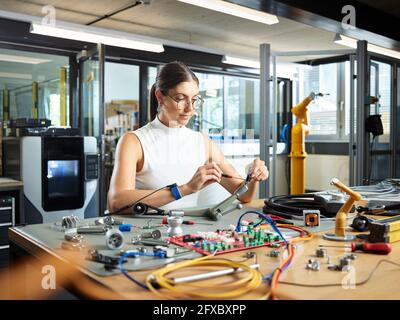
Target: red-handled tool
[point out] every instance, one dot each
(188, 222)
(378, 248)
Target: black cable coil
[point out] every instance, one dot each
(287, 206)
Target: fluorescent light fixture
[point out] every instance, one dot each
(352, 43)
(235, 10)
(21, 59)
(241, 62)
(96, 36)
(13, 75)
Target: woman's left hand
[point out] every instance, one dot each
(259, 172)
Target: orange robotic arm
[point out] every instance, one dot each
(298, 151)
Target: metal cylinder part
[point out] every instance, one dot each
(175, 228)
(114, 239)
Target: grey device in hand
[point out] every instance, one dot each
(227, 205)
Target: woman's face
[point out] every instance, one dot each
(177, 103)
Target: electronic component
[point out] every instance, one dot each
(224, 241)
(29, 123)
(311, 218)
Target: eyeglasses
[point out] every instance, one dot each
(181, 104)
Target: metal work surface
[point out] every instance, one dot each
(50, 238)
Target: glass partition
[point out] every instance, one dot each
(34, 85)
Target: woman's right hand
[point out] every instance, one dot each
(204, 176)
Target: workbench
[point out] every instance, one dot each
(382, 285)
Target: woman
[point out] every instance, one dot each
(166, 152)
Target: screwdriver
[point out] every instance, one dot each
(231, 177)
(188, 222)
(378, 248)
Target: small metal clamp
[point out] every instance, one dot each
(321, 253)
(273, 253)
(75, 238)
(155, 234)
(313, 265)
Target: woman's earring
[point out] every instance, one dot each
(158, 108)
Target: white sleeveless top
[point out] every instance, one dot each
(171, 155)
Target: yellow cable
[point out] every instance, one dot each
(169, 290)
(251, 281)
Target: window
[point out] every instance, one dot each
(380, 86)
(231, 106)
(242, 106)
(212, 113)
(323, 111)
(26, 77)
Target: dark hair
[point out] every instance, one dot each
(168, 77)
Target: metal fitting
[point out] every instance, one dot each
(114, 239)
(274, 253)
(75, 238)
(351, 256)
(321, 253)
(313, 265)
(155, 234)
(250, 254)
(71, 246)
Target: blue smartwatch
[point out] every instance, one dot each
(175, 191)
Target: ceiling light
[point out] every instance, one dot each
(13, 75)
(96, 35)
(241, 62)
(235, 10)
(352, 43)
(21, 59)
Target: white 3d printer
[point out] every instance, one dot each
(59, 173)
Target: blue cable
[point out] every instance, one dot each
(264, 217)
(125, 273)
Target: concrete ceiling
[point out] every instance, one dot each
(176, 21)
